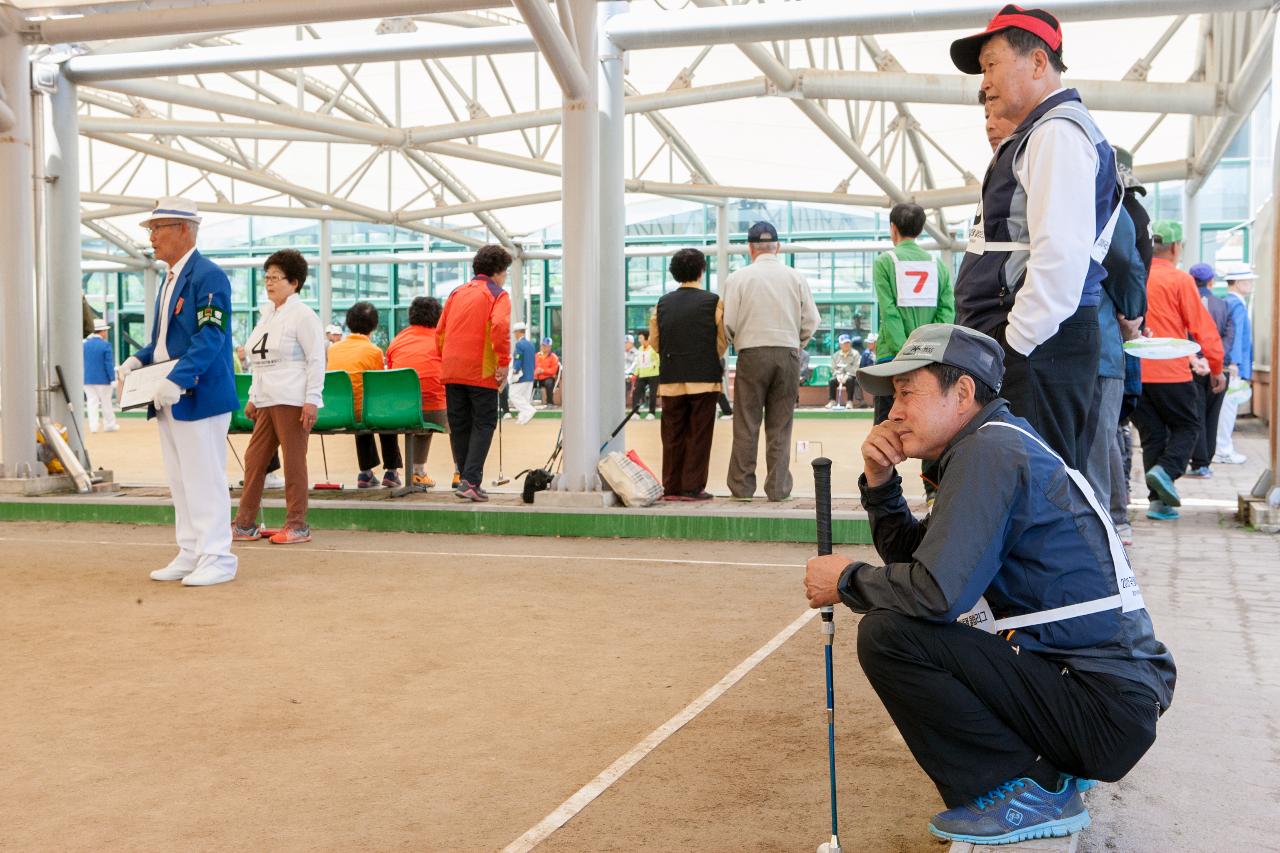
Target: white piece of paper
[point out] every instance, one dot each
(141, 384)
(917, 283)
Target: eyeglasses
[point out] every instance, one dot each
(274, 278)
(154, 228)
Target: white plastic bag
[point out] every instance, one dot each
(631, 482)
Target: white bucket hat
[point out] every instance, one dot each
(1238, 271)
(173, 207)
(101, 325)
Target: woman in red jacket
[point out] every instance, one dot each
(416, 347)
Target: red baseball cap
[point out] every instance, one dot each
(965, 51)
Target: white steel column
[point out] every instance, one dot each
(583, 427)
(325, 275)
(62, 237)
(1190, 225)
(515, 278)
(613, 226)
(17, 248)
(722, 244)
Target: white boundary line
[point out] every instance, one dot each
(586, 557)
(580, 800)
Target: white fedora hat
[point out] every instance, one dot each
(173, 207)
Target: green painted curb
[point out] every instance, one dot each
(603, 525)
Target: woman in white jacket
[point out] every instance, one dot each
(286, 353)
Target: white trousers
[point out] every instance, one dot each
(521, 396)
(99, 396)
(195, 462)
(1227, 420)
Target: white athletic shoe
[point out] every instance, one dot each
(112, 428)
(209, 575)
(506, 416)
(831, 404)
(524, 419)
(274, 480)
(175, 571)
(1232, 458)
(649, 416)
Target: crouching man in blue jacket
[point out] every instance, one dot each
(1006, 633)
(193, 404)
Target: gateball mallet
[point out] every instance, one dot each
(822, 492)
(501, 481)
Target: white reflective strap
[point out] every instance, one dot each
(1057, 614)
(1103, 244)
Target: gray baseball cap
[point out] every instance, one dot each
(939, 343)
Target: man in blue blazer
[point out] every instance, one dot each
(193, 405)
(99, 377)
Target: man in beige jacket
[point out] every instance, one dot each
(769, 315)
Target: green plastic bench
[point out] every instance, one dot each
(240, 422)
(338, 414)
(393, 403)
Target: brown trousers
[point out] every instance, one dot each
(764, 390)
(688, 423)
(276, 426)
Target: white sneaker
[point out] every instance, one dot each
(274, 480)
(524, 419)
(649, 416)
(209, 575)
(175, 571)
(112, 428)
(831, 404)
(506, 416)
(1232, 458)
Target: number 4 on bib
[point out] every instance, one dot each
(917, 283)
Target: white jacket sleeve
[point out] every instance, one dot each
(1058, 171)
(729, 294)
(311, 341)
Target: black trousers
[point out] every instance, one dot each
(473, 416)
(1168, 418)
(1053, 388)
(834, 384)
(547, 387)
(884, 403)
(1206, 443)
(367, 453)
(976, 710)
(646, 388)
(688, 425)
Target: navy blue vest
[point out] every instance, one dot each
(988, 282)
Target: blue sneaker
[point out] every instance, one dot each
(1159, 481)
(1018, 810)
(1201, 473)
(366, 480)
(1083, 785)
(1160, 512)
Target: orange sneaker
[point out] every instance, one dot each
(422, 481)
(292, 536)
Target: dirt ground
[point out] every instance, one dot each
(386, 691)
(133, 453)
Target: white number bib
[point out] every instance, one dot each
(917, 283)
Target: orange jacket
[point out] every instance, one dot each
(545, 366)
(1174, 309)
(355, 354)
(474, 334)
(416, 347)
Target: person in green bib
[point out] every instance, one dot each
(912, 290)
(648, 366)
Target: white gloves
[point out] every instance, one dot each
(131, 364)
(167, 393)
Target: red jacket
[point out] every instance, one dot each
(474, 335)
(1174, 309)
(416, 347)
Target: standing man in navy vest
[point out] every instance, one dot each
(193, 405)
(1032, 273)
